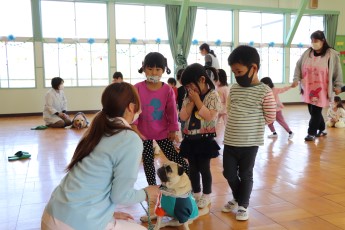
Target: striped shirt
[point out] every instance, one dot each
(249, 109)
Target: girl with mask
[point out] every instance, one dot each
(200, 112)
(251, 105)
(158, 120)
(55, 114)
(103, 170)
(318, 71)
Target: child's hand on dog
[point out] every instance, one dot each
(122, 216)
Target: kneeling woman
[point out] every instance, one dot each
(103, 170)
(55, 106)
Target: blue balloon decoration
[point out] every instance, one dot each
(11, 37)
(158, 41)
(59, 39)
(271, 44)
(218, 42)
(195, 42)
(90, 41)
(134, 40)
(300, 45)
(251, 43)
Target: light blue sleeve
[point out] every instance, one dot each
(125, 172)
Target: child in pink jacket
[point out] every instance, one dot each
(279, 115)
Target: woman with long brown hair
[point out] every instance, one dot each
(103, 169)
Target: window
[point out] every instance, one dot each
(135, 38)
(301, 40)
(16, 47)
(207, 30)
(75, 47)
(258, 32)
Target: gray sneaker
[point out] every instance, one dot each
(242, 213)
(230, 206)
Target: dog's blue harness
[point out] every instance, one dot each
(182, 208)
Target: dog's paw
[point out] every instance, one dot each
(204, 211)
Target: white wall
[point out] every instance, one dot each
(17, 101)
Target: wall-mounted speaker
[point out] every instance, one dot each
(313, 4)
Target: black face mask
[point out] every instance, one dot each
(244, 80)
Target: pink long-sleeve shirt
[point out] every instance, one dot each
(159, 113)
(276, 92)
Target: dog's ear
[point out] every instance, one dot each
(180, 170)
(162, 174)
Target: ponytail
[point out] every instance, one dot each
(212, 52)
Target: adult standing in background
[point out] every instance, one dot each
(211, 59)
(55, 114)
(318, 71)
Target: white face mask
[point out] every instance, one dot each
(316, 45)
(153, 79)
(136, 116)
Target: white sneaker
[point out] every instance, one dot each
(291, 136)
(242, 213)
(273, 135)
(230, 206)
(204, 201)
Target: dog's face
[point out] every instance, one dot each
(170, 172)
(79, 122)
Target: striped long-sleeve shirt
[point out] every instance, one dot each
(249, 109)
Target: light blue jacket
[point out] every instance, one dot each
(87, 195)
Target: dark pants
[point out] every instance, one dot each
(316, 121)
(197, 166)
(238, 164)
(169, 151)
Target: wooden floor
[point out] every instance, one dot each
(297, 184)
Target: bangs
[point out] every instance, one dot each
(317, 35)
(154, 59)
(192, 73)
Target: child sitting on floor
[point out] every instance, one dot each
(336, 114)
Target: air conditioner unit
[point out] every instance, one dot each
(313, 4)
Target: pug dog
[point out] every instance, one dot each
(80, 121)
(176, 198)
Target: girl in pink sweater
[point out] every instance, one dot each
(158, 120)
(279, 115)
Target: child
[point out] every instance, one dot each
(117, 77)
(103, 170)
(336, 114)
(279, 115)
(158, 120)
(200, 112)
(172, 84)
(181, 91)
(251, 104)
(181, 94)
(223, 91)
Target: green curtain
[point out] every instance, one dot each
(180, 53)
(331, 24)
